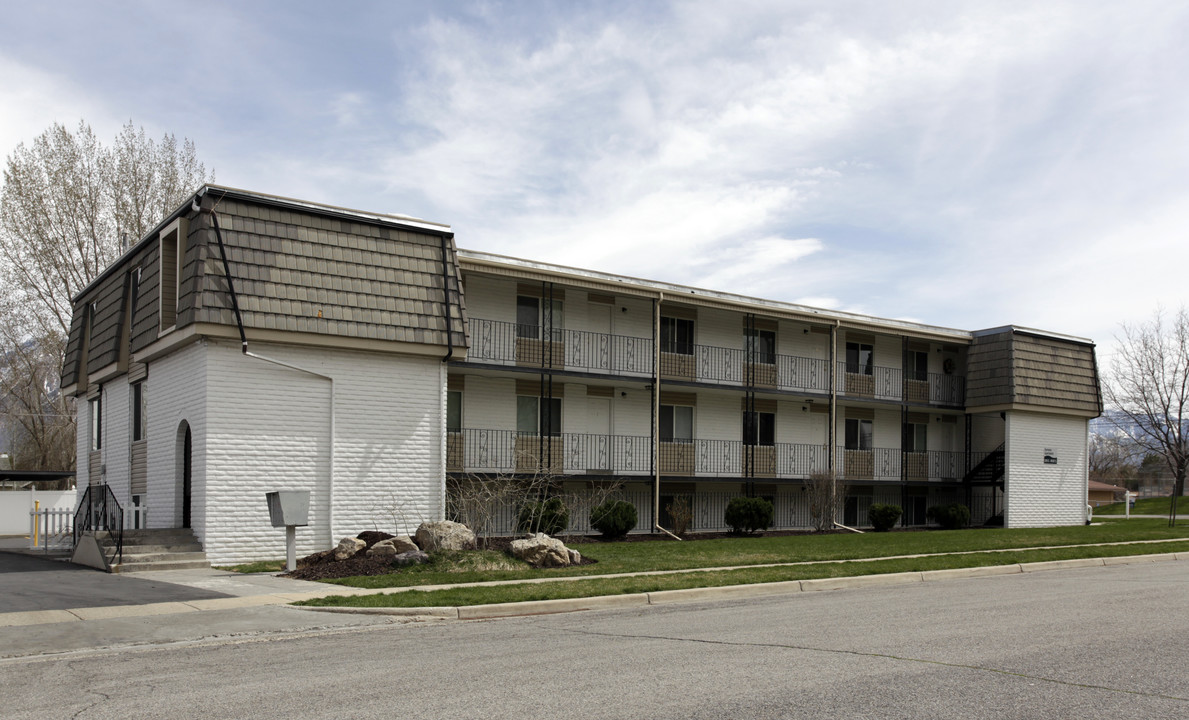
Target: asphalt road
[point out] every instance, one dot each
(1080, 644)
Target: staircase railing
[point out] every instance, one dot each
(989, 469)
(99, 511)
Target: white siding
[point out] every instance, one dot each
(489, 403)
(718, 417)
(986, 432)
(1040, 495)
(719, 328)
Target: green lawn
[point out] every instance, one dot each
(1146, 506)
(619, 586)
(622, 557)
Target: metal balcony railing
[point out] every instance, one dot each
(890, 464)
(507, 451)
(505, 343)
(883, 383)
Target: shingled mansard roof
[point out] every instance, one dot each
(302, 272)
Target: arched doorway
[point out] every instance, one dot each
(184, 453)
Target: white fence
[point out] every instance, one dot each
(51, 529)
(15, 506)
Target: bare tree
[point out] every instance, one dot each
(826, 495)
(67, 207)
(1148, 386)
(1115, 460)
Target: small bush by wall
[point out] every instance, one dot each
(746, 515)
(949, 517)
(883, 517)
(613, 518)
(550, 516)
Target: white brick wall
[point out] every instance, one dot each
(116, 427)
(270, 429)
(175, 393)
(1040, 495)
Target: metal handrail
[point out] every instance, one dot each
(99, 510)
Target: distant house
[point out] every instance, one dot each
(1100, 493)
(311, 347)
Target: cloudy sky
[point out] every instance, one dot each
(961, 164)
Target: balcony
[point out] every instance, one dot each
(505, 343)
(507, 451)
(892, 464)
(712, 365)
(884, 383)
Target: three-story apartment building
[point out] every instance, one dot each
(252, 343)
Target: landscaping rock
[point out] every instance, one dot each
(390, 548)
(542, 551)
(348, 547)
(444, 535)
(413, 557)
(575, 556)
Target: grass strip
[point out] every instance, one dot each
(1146, 506)
(619, 586)
(625, 557)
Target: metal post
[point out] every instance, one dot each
(290, 548)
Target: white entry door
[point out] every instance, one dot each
(599, 344)
(598, 444)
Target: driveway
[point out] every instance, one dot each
(28, 582)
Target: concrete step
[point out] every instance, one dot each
(156, 557)
(158, 549)
(134, 567)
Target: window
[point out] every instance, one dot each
(760, 346)
(133, 296)
(536, 416)
(859, 359)
(97, 423)
(171, 254)
(533, 313)
(677, 423)
(916, 437)
(677, 336)
(858, 434)
(454, 411)
(918, 365)
(139, 417)
(759, 428)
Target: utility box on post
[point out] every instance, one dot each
(289, 509)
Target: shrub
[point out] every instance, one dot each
(551, 517)
(949, 517)
(883, 517)
(746, 515)
(614, 518)
(680, 514)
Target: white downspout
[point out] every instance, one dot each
(330, 479)
(656, 421)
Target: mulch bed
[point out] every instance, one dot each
(323, 566)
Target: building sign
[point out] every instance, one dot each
(1050, 457)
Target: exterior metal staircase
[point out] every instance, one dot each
(990, 470)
